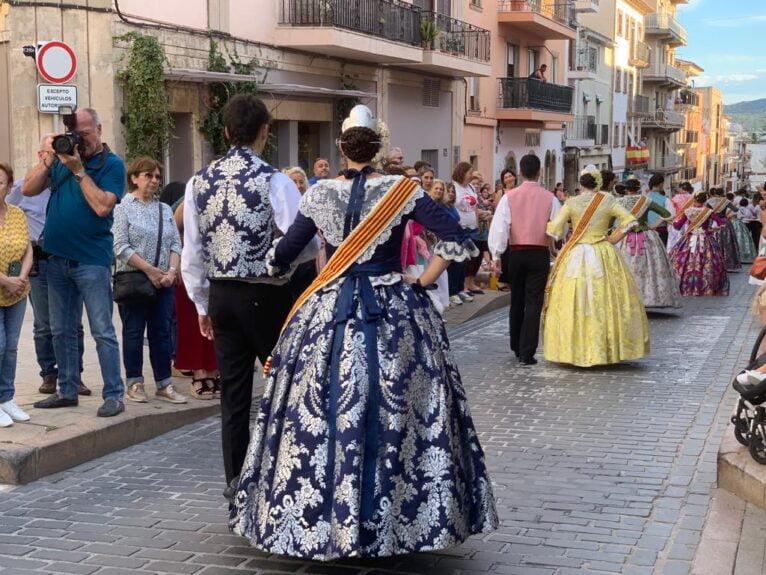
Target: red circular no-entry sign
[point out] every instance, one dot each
(56, 62)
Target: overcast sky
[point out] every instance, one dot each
(728, 39)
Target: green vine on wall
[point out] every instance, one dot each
(146, 112)
(220, 92)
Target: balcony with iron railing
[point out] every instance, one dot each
(688, 98)
(585, 65)
(458, 38)
(665, 74)
(586, 6)
(391, 31)
(545, 19)
(529, 99)
(639, 106)
(664, 25)
(581, 132)
(665, 164)
(365, 30)
(665, 120)
(640, 54)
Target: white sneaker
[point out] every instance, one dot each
(455, 300)
(5, 419)
(755, 377)
(742, 376)
(465, 296)
(14, 411)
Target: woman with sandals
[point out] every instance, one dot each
(593, 311)
(697, 258)
(364, 445)
(645, 253)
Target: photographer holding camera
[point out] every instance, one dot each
(86, 181)
(34, 208)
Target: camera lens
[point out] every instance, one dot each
(62, 144)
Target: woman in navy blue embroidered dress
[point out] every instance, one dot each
(364, 445)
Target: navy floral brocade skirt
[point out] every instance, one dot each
(429, 487)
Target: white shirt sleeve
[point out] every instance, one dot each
(285, 201)
(555, 207)
(499, 229)
(192, 265)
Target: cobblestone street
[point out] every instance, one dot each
(595, 471)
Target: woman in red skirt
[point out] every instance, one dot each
(193, 352)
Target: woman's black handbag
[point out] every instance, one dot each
(134, 287)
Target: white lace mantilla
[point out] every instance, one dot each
(325, 203)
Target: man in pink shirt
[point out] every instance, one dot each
(522, 215)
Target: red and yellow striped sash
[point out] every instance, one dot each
(579, 231)
(721, 205)
(699, 220)
(637, 209)
(686, 206)
(360, 238)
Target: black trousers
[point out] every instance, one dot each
(247, 318)
(528, 273)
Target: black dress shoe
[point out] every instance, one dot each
(231, 490)
(528, 360)
(55, 401)
(110, 408)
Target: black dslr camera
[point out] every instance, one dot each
(70, 140)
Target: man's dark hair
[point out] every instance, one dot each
(420, 164)
(656, 180)
(244, 116)
(529, 166)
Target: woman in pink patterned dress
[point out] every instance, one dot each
(697, 257)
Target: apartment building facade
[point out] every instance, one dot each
(587, 138)
(661, 82)
(713, 132)
(309, 55)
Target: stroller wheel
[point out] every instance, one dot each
(757, 446)
(741, 437)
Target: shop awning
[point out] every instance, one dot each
(208, 77)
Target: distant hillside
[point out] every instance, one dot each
(752, 115)
(751, 107)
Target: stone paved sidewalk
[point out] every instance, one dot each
(604, 470)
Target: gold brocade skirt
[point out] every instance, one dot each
(595, 314)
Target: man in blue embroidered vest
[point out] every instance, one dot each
(85, 187)
(233, 211)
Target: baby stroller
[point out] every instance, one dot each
(750, 418)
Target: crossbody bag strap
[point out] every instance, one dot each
(159, 236)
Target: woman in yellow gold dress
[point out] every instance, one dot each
(594, 314)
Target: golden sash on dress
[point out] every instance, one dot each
(360, 238)
(579, 231)
(721, 205)
(685, 207)
(637, 210)
(699, 220)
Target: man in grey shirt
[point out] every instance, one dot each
(35, 209)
